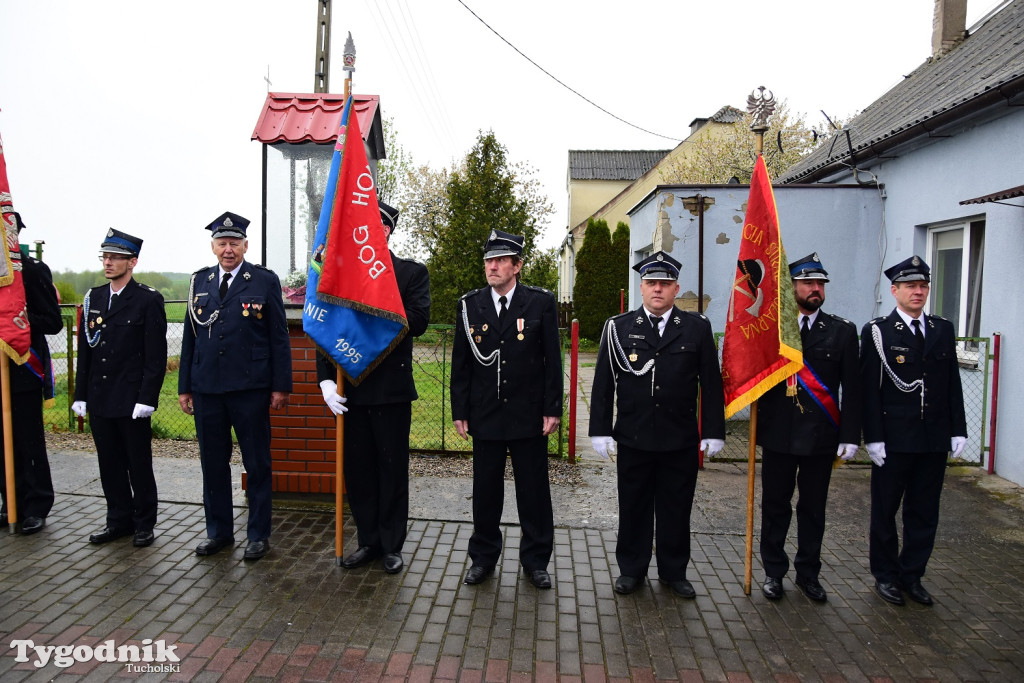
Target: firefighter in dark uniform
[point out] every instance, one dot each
(378, 424)
(913, 419)
(651, 365)
(235, 366)
(506, 389)
(122, 360)
(31, 384)
(801, 435)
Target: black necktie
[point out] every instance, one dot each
(918, 336)
(656, 321)
(113, 302)
(224, 286)
(805, 328)
(504, 309)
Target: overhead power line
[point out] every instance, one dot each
(556, 80)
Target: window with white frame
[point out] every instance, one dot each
(955, 253)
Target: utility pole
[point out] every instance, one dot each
(321, 71)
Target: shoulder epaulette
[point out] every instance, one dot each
(877, 320)
(938, 317)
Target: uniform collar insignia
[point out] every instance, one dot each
(210, 279)
(676, 319)
(246, 275)
(639, 320)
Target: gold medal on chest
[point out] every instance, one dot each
(519, 336)
(520, 326)
(483, 328)
(92, 325)
(478, 339)
(633, 358)
(199, 311)
(900, 359)
(99, 320)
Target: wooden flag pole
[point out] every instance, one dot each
(760, 108)
(748, 564)
(339, 477)
(8, 422)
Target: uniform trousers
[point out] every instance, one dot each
(32, 483)
(655, 495)
(377, 473)
(780, 474)
(124, 448)
(533, 500)
(248, 412)
(916, 480)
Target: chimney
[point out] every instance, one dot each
(948, 25)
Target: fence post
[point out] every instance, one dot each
(995, 402)
(445, 370)
(574, 358)
(71, 329)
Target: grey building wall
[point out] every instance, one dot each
(860, 231)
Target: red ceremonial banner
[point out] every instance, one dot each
(762, 341)
(356, 257)
(15, 337)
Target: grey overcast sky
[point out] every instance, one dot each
(138, 115)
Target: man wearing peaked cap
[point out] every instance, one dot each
(31, 384)
(122, 359)
(506, 388)
(376, 436)
(801, 435)
(651, 364)
(913, 419)
(235, 366)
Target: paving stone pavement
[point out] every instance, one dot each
(296, 616)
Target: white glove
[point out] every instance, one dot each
(956, 445)
(336, 403)
(78, 408)
(711, 447)
(847, 451)
(876, 451)
(604, 445)
(142, 410)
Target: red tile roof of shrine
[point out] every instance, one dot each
(310, 117)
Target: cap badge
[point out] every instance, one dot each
(815, 258)
(493, 236)
(110, 232)
(661, 257)
(916, 261)
(228, 223)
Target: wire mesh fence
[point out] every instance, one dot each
(432, 428)
(975, 374)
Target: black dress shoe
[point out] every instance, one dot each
(772, 588)
(680, 587)
(812, 589)
(393, 563)
(256, 549)
(538, 577)
(917, 592)
(363, 555)
(889, 592)
(141, 539)
(108, 534)
(477, 574)
(214, 545)
(624, 585)
(32, 525)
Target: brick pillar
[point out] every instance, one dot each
(302, 435)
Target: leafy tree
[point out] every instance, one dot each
(725, 152)
(393, 171)
(596, 293)
(620, 257)
(485, 193)
(542, 269)
(67, 293)
(424, 213)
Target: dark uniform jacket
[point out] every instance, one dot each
(128, 363)
(801, 426)
(392, 380)
(43, 319)
(895, 417)
(531, 366)
(246, 346)
(657, 411)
